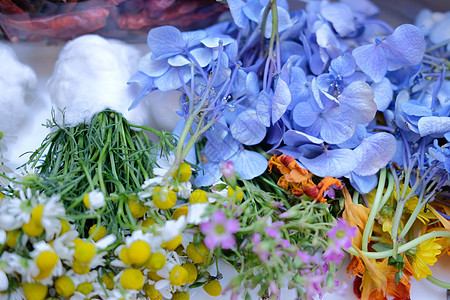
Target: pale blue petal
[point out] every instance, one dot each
(193, 38)
(213, 41)
(208, 174)
(334, 163)
(165, 41)
(415, 108)
(249, 164)
(404, 47)
(284, 22)
(363, 184)
(253, 10)
(298, 138)
(252, 85)
(374, 153)
(383, 93)
(303, 114)
(178, 61)
(171, 79)
(435, 126)
(247, 129)
(341, 16)
(202, 55)
(236, 10)
(371, 60)
(359, 96)
(343, 65)
(356, 139)
(151, 67)
(280, 101)
(263, 108)
(338, 126)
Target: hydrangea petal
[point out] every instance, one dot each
(374, 153)
(371, 60)
(208, 174)
(338, 126)
(297, 138)
(249, 164)
(383, 93)
(280, 101)
(363, 184)
(151, 67)
(247, 128)
(263, 108)
(213, 41)
(303, 114)
(202, 55)
(165, 41)
(238, 15)
(404, 47)
(359, 97)
(436, 126)
(334, 163)
(341, 16)
(171, 79)
(343, 65)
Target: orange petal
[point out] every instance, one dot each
(355, 266)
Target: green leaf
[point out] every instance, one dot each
(381, 247)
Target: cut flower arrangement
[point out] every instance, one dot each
(304, 137)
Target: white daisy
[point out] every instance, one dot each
(45, 264)
(172, 228)
(94, 200)
(53, 210)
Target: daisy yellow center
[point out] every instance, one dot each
(213, 288)
(198, 196)
(46, 261)
(137, 209)
(180, 211)
(34, 291)
(148, 222)
(172, 244)
(85, 288)
(84, 252)
(124, 257)
(139, 252)
(108, 281)
(36, 214)
(101, 232)
(156, 262)
(164, 198)
(65, 227)
(178, 276)
(64, 286)
(183, 173)
(80, 268)
(235, 193)
(180, 296)
(152, 292)
(132, 279)
(86, 201)
(197, 254)
(192, 272)
(32, 228)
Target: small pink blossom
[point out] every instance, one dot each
(219, 231)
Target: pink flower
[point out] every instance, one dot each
(342, 234)
(227, 169)
(219, 231)
(313, 286)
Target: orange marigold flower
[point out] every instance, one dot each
(298, 180)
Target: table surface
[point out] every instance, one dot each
(31, 133)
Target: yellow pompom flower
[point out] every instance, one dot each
(151, 292)
(180, 211)
(45, 262)
(34, 290)
(198, 196)
(178, 276)
(34, 227)
(156, 262)
(108, 281)
(124, 257)
(172, 244)
(148, 222)
(132, 279)
(197, 254)
(80, 268)
(183, 173)
(213, 288)
(139, 252)
(192, 272)
(84, 252)
(65, 227)
(101, 232)
(163, 198)
(239, 193)
(423, 256)
(64, 286)
(180, 296)
(12, 237)
(137, 209)
(85, 288)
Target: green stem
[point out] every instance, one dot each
(402, 248)
(438, 282)
(374, 211)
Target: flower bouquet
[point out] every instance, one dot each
(302, 139)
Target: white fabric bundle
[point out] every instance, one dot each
(91, 75)
(16, 81)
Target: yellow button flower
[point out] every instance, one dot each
(64, 286)
(192, 272)
(183, 173)
(139, 252)
(34, 291)
(132, 279)
(156, 262)
(84, 252)
(197, 254)
(213, 288)
(178, 276)
(137, 209)
(163, 198)
(108, 281)
(172, 244)
(180, 296)
(85, 288)
(101, 232)
(198, 196)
